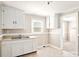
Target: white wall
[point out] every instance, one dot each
(55, 36)
(55, 31)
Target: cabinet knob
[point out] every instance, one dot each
(14, 22)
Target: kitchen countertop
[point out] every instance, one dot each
(16, 39)
(22, 38)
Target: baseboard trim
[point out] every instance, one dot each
(26, 54)
(50, 45)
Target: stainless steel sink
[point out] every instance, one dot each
(23, 37)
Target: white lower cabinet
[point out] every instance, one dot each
(17, 47)
(35, 44)
(28, 46)
(6, 49)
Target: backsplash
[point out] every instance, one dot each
(9, 31)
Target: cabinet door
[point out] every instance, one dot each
(8, 17)
(40, 42)
(20, 19)
(35, 44)
(17, 48)
(0, 17)
(28, 46)
(6, 50)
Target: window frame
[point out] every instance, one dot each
(42, 26)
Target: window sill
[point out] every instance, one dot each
(41, 33)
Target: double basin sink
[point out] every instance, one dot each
(23, 37)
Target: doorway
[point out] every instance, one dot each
(69, 38)
(66, 31)
(69, 30)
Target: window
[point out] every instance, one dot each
(37, 26)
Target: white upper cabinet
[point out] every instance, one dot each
(8, 17)
(19, 19)
(12, 18)
(0, 16)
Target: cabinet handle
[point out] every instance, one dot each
(13, 22)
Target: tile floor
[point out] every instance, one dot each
(49, 52)
(70, 47)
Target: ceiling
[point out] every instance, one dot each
(42, 8)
